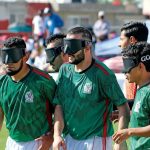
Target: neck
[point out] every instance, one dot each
(84, 64)
(21, 74)
(144, 80)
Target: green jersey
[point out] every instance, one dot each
(87, 99)
(26, 104)
(141, 117)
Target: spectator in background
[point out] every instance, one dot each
(38, 56)
(53, 22)
(101, 27)
(54, 53)
(29, 47)
(38, 26)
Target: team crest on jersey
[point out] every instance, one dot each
(87, 88)
(137, 107)
(29, 97)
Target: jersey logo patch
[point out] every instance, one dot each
(29, 97)
(87, 88)
(137, 107)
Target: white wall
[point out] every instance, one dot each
(4, 13)
(13, 11)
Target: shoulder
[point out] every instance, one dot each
(42, 78)
(56, 16)
(145, 90)
(66, 67)
(40, 73)
(103, 69)
(3, 78)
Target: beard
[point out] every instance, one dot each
(77, 59)
(12, 73)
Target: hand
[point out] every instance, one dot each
(122, 146)
(121, 135)
(59, 142)
(46, 141)
(114, 116)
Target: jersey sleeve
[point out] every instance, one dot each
(147, 101)
(0, 90)
(112, 90)
(57, 97)
(50, 88)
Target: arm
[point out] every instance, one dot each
(48, 90)
(124, 117)
(59, 123)
(1, 117)
(58, 128)
(143, 131)
(124, 134)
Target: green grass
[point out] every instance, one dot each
(3, 137)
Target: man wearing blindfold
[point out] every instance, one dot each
(26, 95)
(131, 33)
(84, 99)
(54, 52)
(136, 60)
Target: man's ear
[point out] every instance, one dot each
(64, 57)
(133, 40)
(26, 57)
(88, 48)
(141, 66)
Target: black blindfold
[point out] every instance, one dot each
(12, 55)
(52, 53)
(129, 63)
(71, 46)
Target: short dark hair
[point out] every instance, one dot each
(58, 38)
(138, 50)
(137, 29)
(15, 42)
(86, 34)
